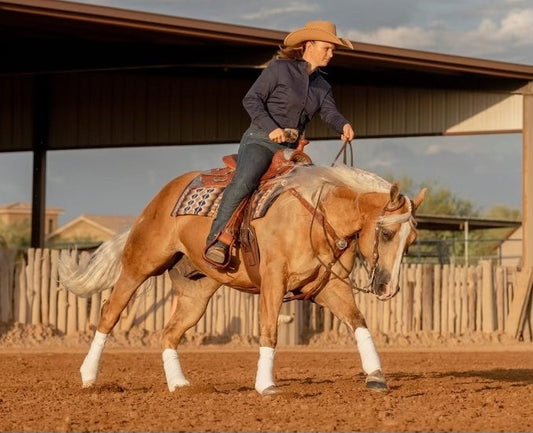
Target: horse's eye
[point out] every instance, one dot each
(387, 235)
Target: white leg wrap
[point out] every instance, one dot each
(367, 350)
(265, 369)
(173, 371)
(89, 368)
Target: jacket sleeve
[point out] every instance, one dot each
(255, 100)
(330, 115)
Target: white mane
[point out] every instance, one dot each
(308, 180)
(314, 181)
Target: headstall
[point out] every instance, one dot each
(340, 245)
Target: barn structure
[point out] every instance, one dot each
(77, 76)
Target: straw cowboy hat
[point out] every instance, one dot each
(316, 31)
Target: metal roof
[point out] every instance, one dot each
(51, 35)
(458, 223)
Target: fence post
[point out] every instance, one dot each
(417, 299)
(36, 291)
(72, 313)
(54, 279)
(464, 298)
(62, 303)
(72, 308)
(437, 299)
(488, 308)
(7, 261)
(45, 285)
(445, 299)
(500, 298)
(472, 298)
(20, 292)
(520, 306)
(479, 296)
(452, 295)
(427, 297)
(409, 299)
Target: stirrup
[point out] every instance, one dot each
(217, 254)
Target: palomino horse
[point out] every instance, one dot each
(308, 242)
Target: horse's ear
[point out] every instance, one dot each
(394, 193)
(417, 201)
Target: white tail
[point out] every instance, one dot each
(99, 273)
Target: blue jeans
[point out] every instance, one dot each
(254, 157)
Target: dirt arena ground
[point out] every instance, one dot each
(462, 388)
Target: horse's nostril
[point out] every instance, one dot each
(381, 289)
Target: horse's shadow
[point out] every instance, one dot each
(517, 376)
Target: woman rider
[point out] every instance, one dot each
(281, 102)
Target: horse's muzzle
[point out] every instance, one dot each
(387, 294)
(383, 287)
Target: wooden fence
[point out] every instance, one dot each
(446, 300)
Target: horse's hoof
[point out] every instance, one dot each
(179, 385)
(271, 390)
(377, 386)
(88, 374)
(375, 381)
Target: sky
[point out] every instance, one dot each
(485, 169)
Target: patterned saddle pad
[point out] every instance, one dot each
(202, 200)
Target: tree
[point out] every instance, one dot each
(16, 234)
(441, 201)
(503, 212)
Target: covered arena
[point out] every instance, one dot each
(455, 343)
(77, 76)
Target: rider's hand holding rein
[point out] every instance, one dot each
(277, 135)
(348, 133)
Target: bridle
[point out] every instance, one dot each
(389, 207)
(339, 245)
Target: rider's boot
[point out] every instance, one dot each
(217, 252)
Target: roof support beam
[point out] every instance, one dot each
(41, 126)
(38, 198)
(527, 179)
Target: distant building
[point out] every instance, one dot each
(20, 213)
(89, 229)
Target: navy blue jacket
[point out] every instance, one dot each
(286, 96)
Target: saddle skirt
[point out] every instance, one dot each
(202, 199)
(202, 196)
